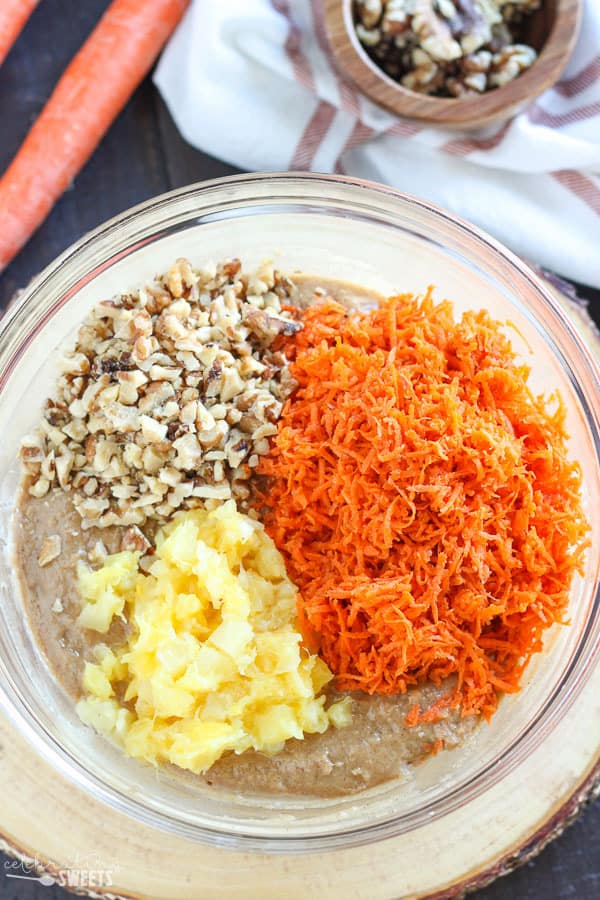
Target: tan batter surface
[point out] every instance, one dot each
(376, 747)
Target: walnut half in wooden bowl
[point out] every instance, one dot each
(458, 63)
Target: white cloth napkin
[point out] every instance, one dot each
(252, 82)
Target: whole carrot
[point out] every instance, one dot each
(13, 15)
(92, 91)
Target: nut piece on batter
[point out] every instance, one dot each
(50, 550)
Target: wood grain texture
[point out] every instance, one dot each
(143, 155)
(184, 164)
(553, 30)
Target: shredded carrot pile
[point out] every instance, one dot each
(423, 499)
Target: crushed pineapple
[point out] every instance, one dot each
(214, 661)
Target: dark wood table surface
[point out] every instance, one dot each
(143, 155)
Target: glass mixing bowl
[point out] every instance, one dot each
(334, 227)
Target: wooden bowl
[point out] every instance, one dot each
(552, 30)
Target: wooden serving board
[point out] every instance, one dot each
(47, 820)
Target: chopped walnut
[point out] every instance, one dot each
(509, 63)
(425, 75)
(429, 46)
(166, 394)
(135, 540)
(370, 12)
(39, 488)
(97, 553)
(50, 550)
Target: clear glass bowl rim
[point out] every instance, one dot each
(150, 215)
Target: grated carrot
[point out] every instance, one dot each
(434, 748)
(424, 500)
